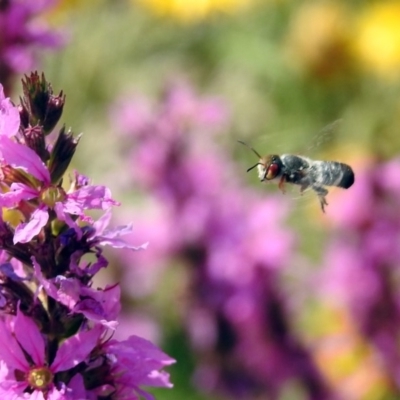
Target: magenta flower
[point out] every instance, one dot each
(26, 366)
(25, 354)
(233, 242)
(22, 35)
(136, 362)
(363, 260)
(36, 184)
(55, 326)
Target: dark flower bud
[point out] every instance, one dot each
(54, 112)
(36, 96)
(40, 104)
(35, 139)
(61, 155)
(23, 114)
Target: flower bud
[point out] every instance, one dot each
(39, 103)
(62, 153)
(35, 139)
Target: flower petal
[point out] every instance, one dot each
(138, 362)
(10, 351)
(75, 349)
(26, 231)
(22, 157)
(66, 291)
(9, 116)
(89, 198)
(29, 337)
(17, 193)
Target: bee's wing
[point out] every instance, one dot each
(323, 136)
(285, 142)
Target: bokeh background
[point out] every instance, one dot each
(255, 293)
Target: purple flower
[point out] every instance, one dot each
(22, 35)
(55, 326)
(362, 261)
(100, 236)
(25, 354)
(26, 366)
(233, 242)
(136, 362)
(37, 185)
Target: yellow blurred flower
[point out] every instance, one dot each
(377, 41)
(64, 10)
(318, 39)
(348, 363)
(193, 10)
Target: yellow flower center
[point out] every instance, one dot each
(40, 378)
(51, 195)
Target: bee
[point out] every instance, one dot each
(303, 171)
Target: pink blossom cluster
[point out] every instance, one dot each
(233, 242)
(56, 328)
(21, 34)
(363, 261)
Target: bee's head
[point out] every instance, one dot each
(269, 167)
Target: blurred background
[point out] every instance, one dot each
(257, 294)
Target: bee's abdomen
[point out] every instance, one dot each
(347, 176)
(333, 173)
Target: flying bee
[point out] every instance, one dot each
(304, 172)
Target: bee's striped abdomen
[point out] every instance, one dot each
(333, 173)
(347, 176)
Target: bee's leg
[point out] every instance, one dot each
(321, 192)
(281, 184)
(303, 187)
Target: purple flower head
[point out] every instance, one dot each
(362, 261)
(137, 362)
(234, 243)
(25, 354)
(55, 325)
(35, 184)
(30, 365)
(162, 132)
(180, 108)
(21, 35)
(33, 171)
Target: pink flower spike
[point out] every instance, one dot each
(22, 157)
(26, 231)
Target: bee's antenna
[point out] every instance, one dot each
(253, 167)
(254, 151)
